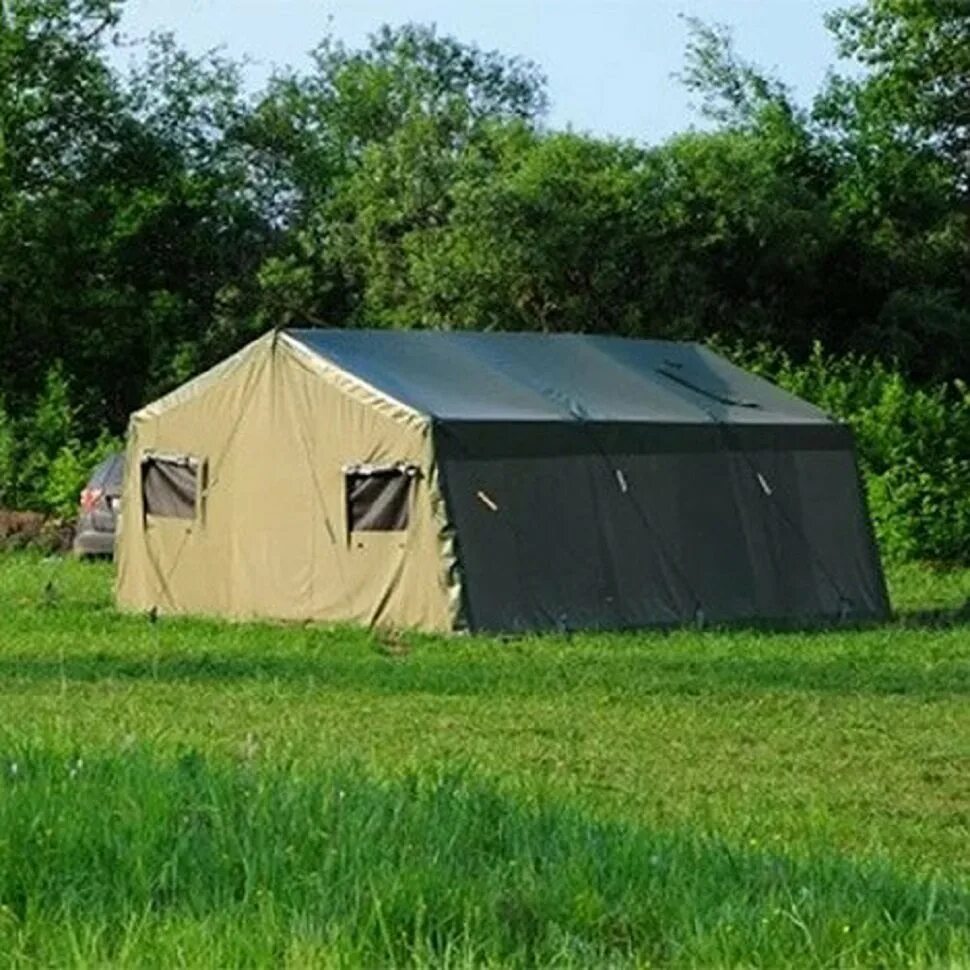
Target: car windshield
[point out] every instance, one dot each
(108, 472)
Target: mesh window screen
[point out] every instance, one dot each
(169, 486)
(378, 500)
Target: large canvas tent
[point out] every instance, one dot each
(496, 481)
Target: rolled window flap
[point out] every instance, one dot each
(172, 458)
(401, 467)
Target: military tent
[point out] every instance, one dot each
(492, 481)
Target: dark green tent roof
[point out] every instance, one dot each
(472, 376)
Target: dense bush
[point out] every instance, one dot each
(914, 444)
(7, 443)
(44, 458)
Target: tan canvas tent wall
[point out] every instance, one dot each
(492, 481)
(272, 431)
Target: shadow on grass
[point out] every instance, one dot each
(426, 866)
(941, 618)
(522, 669)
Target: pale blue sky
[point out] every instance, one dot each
(609, 62)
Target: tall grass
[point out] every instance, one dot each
(196, 793)
(122, 858)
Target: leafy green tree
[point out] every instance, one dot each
(124, 208)
(58, 105)
(526, 232)
(916, 83)
(900, 135)
(893, 271)
(49, 426)
(403, 111)
(7, 457)
(56, 94)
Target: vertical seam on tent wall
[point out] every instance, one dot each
(410, 533)
(463, 615)
(578, 416)
(624, 489)
(449, 539)
(318, 490)
(165, 577)
(770, 493)
(248, 391)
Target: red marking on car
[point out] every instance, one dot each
(90, 497)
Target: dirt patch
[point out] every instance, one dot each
(33, 530)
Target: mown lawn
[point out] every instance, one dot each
(191, 793)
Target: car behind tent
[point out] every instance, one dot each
(493, 481)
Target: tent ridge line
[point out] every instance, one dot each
(199, 384)
(349, 379)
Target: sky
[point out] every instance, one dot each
(609, 63)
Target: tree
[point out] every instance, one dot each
(151, 222)
(916, 85)
(900, 136)
(362, 152)
(56, 94)
(58, 111)
(894, 271)
(124, 209)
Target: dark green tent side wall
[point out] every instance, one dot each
(616, 525)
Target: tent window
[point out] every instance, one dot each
(378, 499)
(169, 486)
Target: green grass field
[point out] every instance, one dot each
(191, 793)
